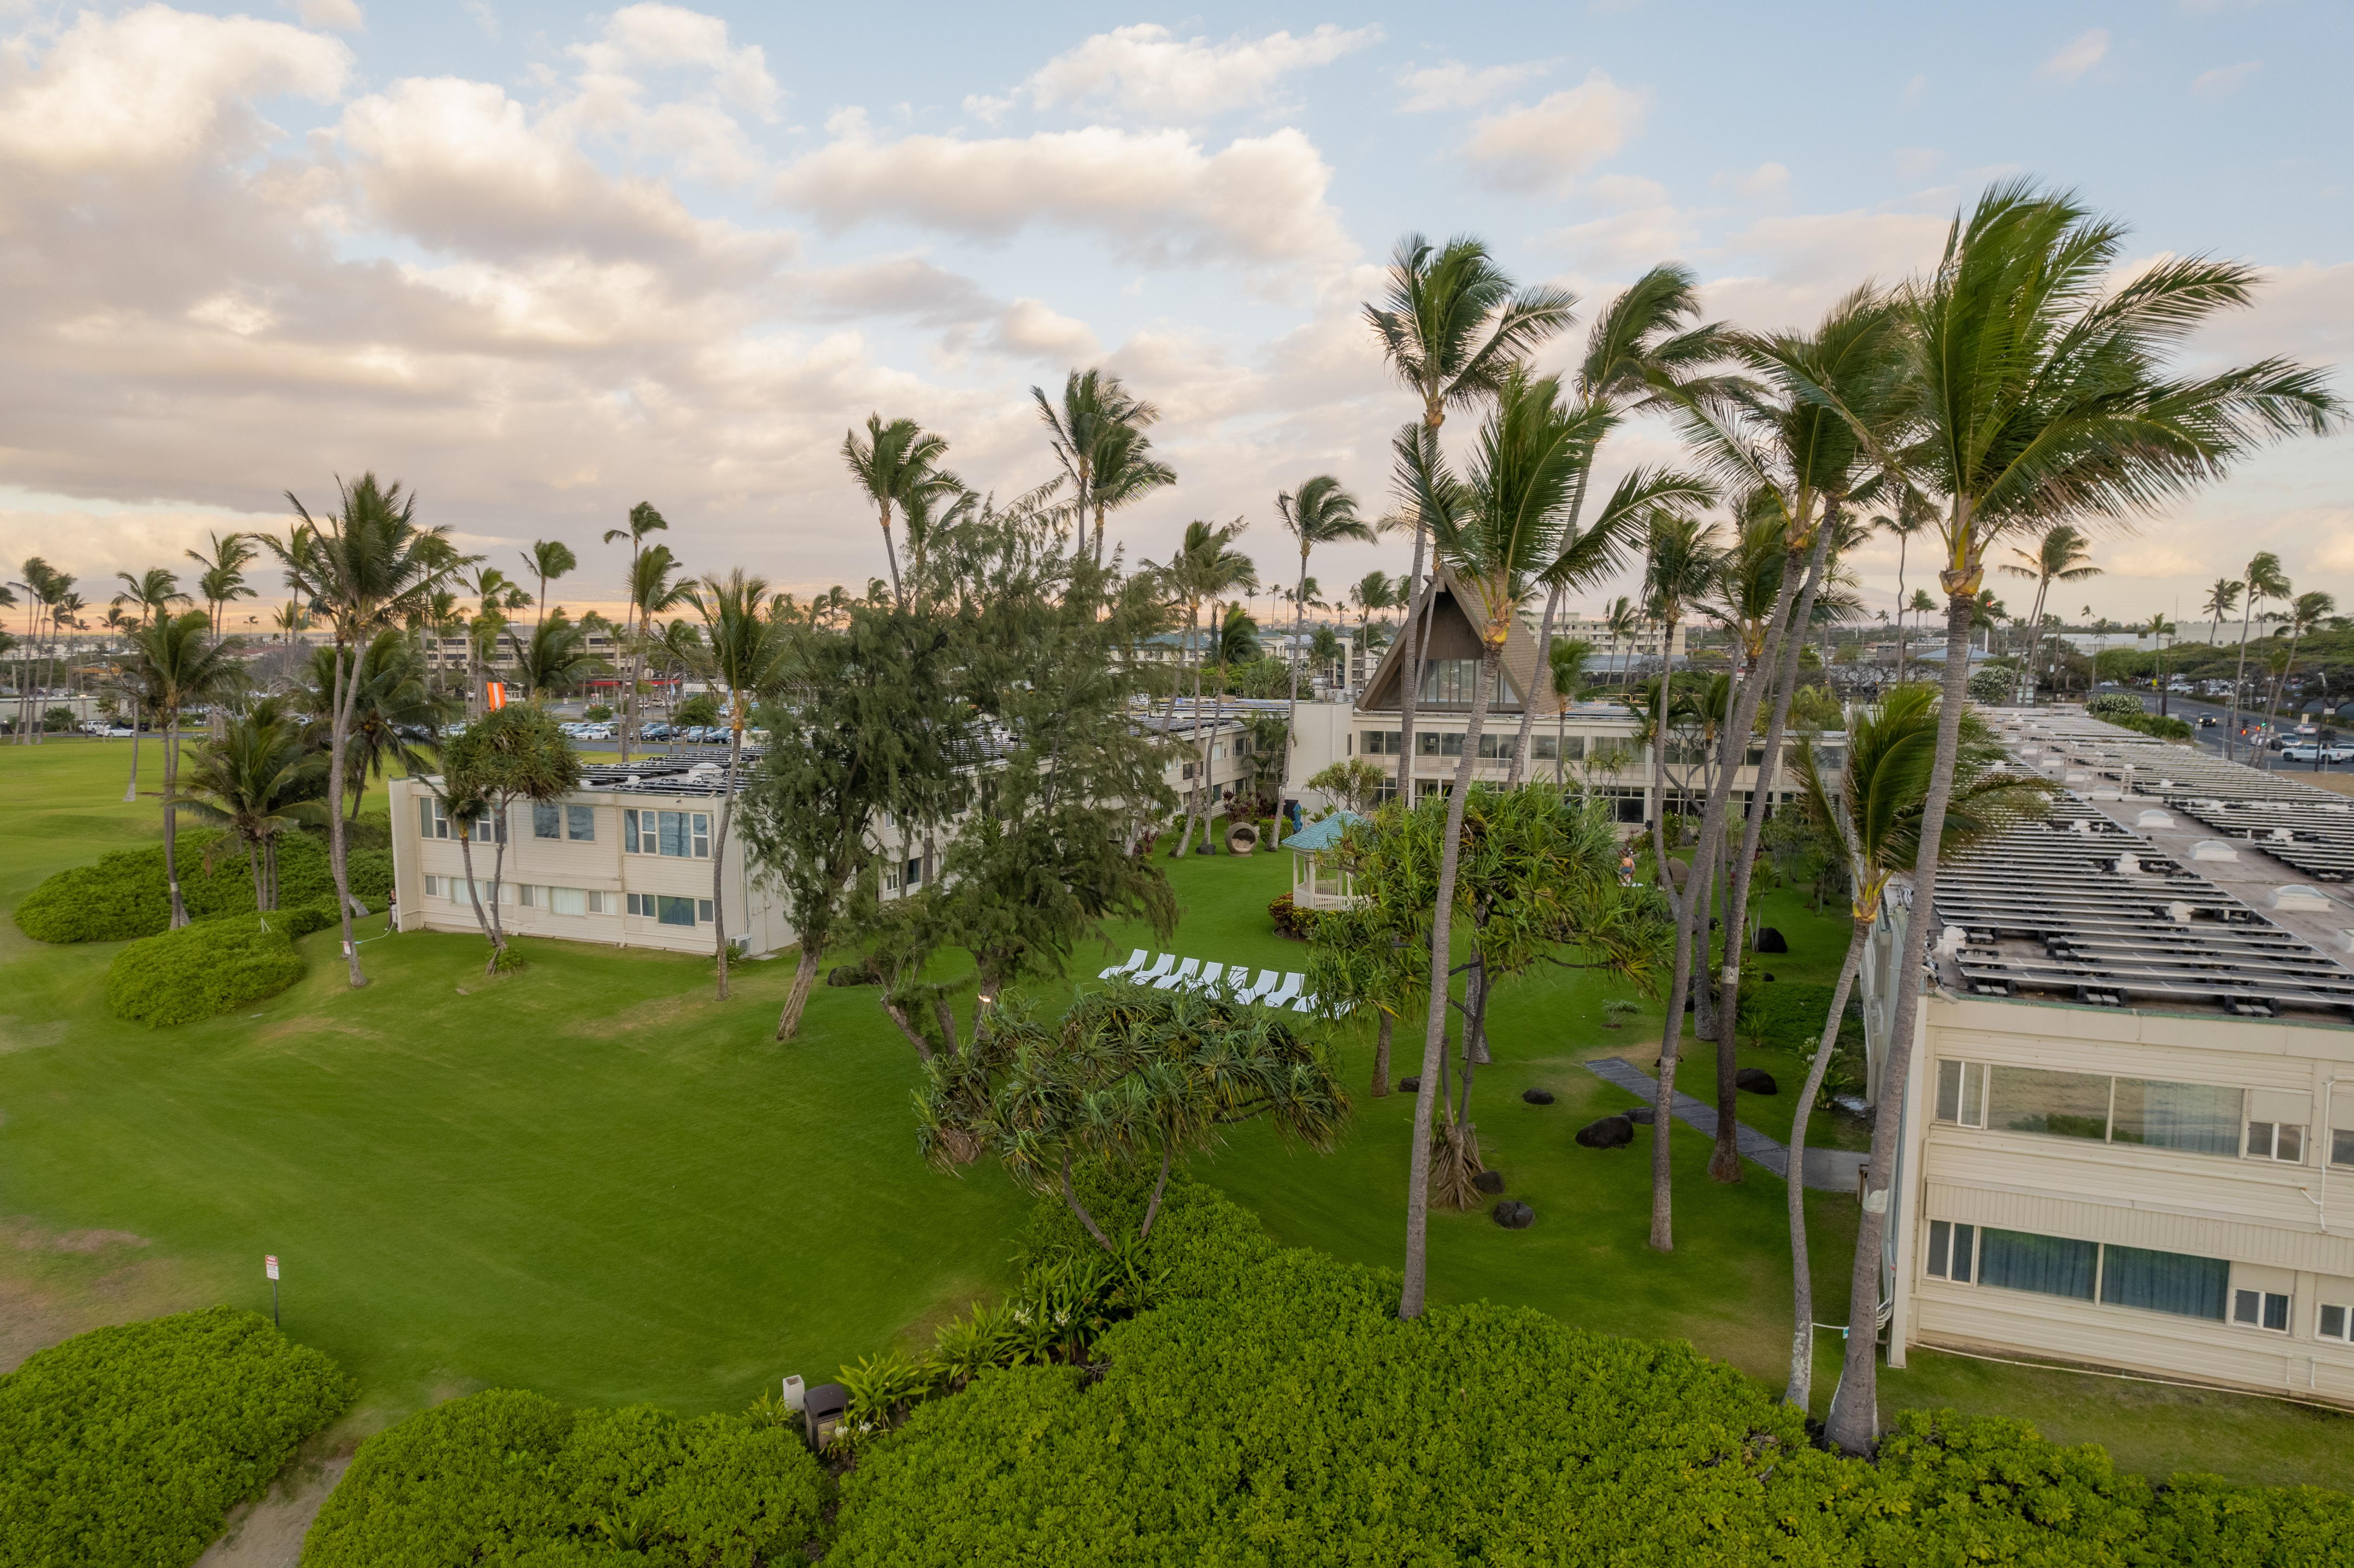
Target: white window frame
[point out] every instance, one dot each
(2274, 1137)
(1965, 1076)
(2345, 1312)
(2258, 1302)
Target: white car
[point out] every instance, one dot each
(2313, 751)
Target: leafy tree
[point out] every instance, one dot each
(176, 665)
(1352, 782)
(1097, 433)
(2221, 599)
(1129, 1079)
(509, 755)
(1566, 660)
(2306, 613)
(259, 780)
(701, 709)
(2040, 399)
(222, 578)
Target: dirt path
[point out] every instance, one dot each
(269, 1533)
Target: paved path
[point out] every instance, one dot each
(1827, 1169)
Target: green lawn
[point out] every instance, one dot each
(590, 1178)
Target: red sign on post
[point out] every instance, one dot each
(494, 694)
(270, 1265)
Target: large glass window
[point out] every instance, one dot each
(1961, 1093)
(1951, 1249)
(682, 834)
(580, 824)
(2281, 1141)
(432, 818)
(2165, 1282)
(568, 901)
(2341, 1148)
(2260, 1309)
(2062, 1105)
(1449, 681)
(546, 819)
(1382, 742)
(1434, 743)
(2047, 1266)
(2198, 1119)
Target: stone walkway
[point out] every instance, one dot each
(1827, 1169)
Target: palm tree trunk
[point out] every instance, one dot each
(2239, 676)
(2280, 682)
(1800, 1392)
(1901, 541)
(171, 815)
(1299, 635)
(1382, 1054)
(891, 554)
(1434, 1043)
(1854, 1422)
(1659, 780)
(269, 868)
(343, 697)
(1724, 1160)
(130, 790)
(254, 869)
(719, 845)
(1410, 675)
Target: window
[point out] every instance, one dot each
(580, 824)
(2277, 1140)
(1382, 742)
(1961, 1093)
(432, 886)
(432, 818)
(1951, 1249)
(546, 819)
(1189, 769)
(891, 878)
(526, 894)
(2047, 1266)
(2260, 1309)
(685, 834)
(1432, 743)
(640, 905)
(2335, 1322)
(603, 903)
(1495, 748)
(1385, 791)
(568, 901)
(2341, 1147)
(2062, 1105)
(915, 875)
(2198, 1119)
(2165, 1282)
(1448, 681)
(1557, 747)
(703, 910)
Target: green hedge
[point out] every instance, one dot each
(125, 895)
(508, 1477)
(202, 970)
(1276, 1412)
(127, 1446)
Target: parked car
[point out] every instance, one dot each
(662, 732)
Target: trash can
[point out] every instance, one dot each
(822, 1412)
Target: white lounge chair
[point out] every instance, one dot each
(1135, 961)
(1209, 980)
(1288, 991)
(1184, 975)
(1237, 981)
(1266, 979)
(1156, 971)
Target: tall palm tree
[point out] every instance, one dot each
(1622, 617)
(2264, 580)
(2222, 600)
(643, 520)
(257, 780)
(1320, 513)
(1453, 329)
(393, 701)
(177, 664)
(1372, 594)
(1680, 566)
(557, 656)
(1124, 470)
(364, 567)
(1095, 431)
(2157, 630)
(2062, 554)
(2306, 613)
(154, 591)
(51, 592)
(2043, 399)
(1912, 514)
(897, 461)
(743, 653)
(1497, 530)
(496, 598)
(548, 559)
(1566, 660)
(1206, 568)
(1875, 812)
(222, 577)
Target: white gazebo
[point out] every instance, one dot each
(1315, 883)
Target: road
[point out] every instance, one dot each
(2211, 740)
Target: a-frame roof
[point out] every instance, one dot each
(1452, 636)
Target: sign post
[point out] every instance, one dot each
(270, 1268)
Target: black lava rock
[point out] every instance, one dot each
(1756, 1080)
(1769, 940)
(1610, 1132)
(1409, 1086)
(1513, 1215)
(1489, 1182)
(1641, 1116)
(850, 974)
(1537, 1096)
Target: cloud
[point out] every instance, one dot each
(342, 15)
(2077, 56)
(1029, 329)
(696, 131)
(1145, 72)
(1454, 85)
(663, 36)
(158, 89)
(2223, 81)
(1543, 147)
(1766, 183)
(1156, 194)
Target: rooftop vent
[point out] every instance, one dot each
(2298, 896)
(2213, 849)
(2153, 818)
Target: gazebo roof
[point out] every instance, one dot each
(1322, 833)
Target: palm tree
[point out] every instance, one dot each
(2158, 630)
(1320, 513)
(50, 591)
(496, 598)
(896, 461)
(1373, 593)
(291, 621)
(154, 591)
(257, 780)
(364, 567)
(177, 664)
(1497, 531)
(1124, 470)
(557, 656)
(2306, 613)
(643, 520)
(2061, 554)
(652, 590)
(1912, 513)
(1680, 564)
(1875, 812)
(393, 701)
(223, 575)
(1566, 663)
(1453, 329)
(2264, 580)
(1206, 568)
(2040, 400)
(1623, 618)
(743, 653)
(548, 559)
(2222, 600)
(1096, 434)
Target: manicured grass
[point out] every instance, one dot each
(590, 1178)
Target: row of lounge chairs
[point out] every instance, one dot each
(1232, 980)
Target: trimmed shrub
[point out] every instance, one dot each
(200, 971)
(125, 895)
(2112, 705)
(126, 1445)
(296, 924)
(513, 1478)
(1291, 920)
(1287, 1415)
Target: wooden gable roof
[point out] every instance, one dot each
(1451, 636)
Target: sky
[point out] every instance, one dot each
(540, 262)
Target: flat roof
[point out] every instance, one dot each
(2156, 881)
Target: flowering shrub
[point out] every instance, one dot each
(1291, 920)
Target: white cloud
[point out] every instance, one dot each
(1146, 72)
(2223, 81)
(157, 87)
(666, 36)
(484, 17)
(1766, 183)
(342, 15)
(1030, 329)
(1156, 194)
(1543, 147)
(2077, 56)
(1454, 85)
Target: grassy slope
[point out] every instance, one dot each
(590, 1179)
